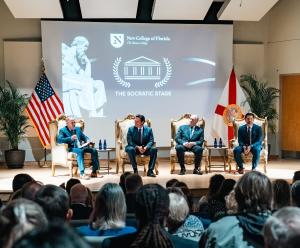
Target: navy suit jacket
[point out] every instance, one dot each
(184, 132)
(133, 140)
(65, 134)
(256, 135)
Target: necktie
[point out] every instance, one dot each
(140, 136)
(192, 132)
(249, 135)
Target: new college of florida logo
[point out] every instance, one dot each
(142, 68)
(117, 40)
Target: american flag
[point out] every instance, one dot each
(43, 107)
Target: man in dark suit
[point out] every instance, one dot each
(140, 141)
(190, 138)
(250, 140)
(74, 137)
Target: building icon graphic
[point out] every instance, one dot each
(142, 68)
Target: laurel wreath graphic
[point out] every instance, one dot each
(116, 73)
(128, 85)
(167, 76)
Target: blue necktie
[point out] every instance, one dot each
(140, 136)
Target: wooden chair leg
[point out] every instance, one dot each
(53, 169)
(156, 168)
(117, 167)
(172, 163)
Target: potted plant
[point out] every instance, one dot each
(261, 99)
(13, 122)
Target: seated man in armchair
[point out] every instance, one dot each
(250, 140)
(73, 136)
(140, 141)
(190, 138)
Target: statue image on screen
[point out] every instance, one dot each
(80, 90)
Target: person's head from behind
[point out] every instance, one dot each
(171, 182)
(226, 187)
(122, 180)
(178, 211)
(30, 189)
(249, 118)
(295, 193)
(70, 183)
(20, 180)
(152, 209)
(18, 218)
(79, 194)
(139, 120)
(55, 203)
(193, 120)
(253, 192)
(110, 208)
(133, 183)
(55, 235)
(187, 192)
(215, 183)
(282, 226)
(296, 176)
(281, 194)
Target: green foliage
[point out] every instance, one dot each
(13, 122)
(261, 98)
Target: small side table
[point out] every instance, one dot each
(223, 150)
(108, 150)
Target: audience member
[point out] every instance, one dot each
(281, 194)
(19, 180)
(217, 205)
(187, 192)
(108, 216)
(296, 176)
(19, 217)
(30, 189)
(55, 236)
(79, 202)
(281, 228)
(295, 193)
(180, 222)
(231, 204)
(171, 182)
(132, 184)
(122, 180)
(70, 183)
(253, 193)
(55, 203)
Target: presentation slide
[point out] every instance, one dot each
(104, 71)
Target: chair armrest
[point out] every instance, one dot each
(62, 145)
(233, 143)
(204, 145)
(173, 143)
(120, 144)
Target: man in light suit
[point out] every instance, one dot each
(250, 140)
(190, 138)
(73, 136)
(140, 141)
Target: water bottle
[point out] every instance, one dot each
(104, 144)
(220, 143)
(215, 143)
(100, 144)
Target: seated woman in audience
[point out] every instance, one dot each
(108, 216)
(19, 217)
(217, 205)
(187, 193)
(80, 203)
(281, 194)
(253, 193)
(180, 222)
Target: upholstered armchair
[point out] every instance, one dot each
(121, 129)
(234, 142)
(188, 156)
(59, 152)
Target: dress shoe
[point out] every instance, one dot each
(94, 174)
(254, 169)
(182, 172)
(240, 171)
(197, 172)
(135, 171)
(151, 174)
(84, 177)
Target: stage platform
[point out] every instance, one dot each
(277, 169)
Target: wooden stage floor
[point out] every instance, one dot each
(277, 169)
